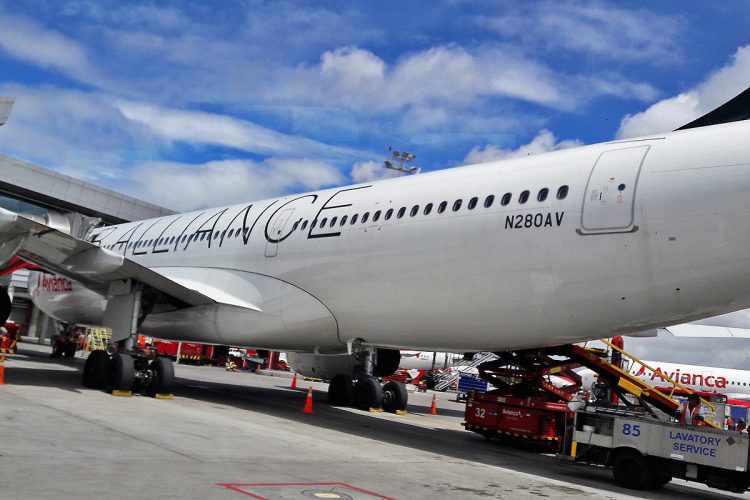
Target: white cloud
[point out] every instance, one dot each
(543, 142)
(368, 171)
(25, 39)
(185, 187)
(198, 127)
(669, 114)
(593, 28)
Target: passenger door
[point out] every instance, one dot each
(609, 199)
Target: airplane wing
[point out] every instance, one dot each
(91, 265)
(706, 331)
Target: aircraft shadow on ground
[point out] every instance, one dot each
(282, 402)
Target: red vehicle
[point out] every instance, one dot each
(189, 351)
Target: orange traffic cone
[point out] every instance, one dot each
(433, 408)
(294, 382)
(2, 372)
(308, 402)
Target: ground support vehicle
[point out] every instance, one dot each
(646, 452)
(535, 420)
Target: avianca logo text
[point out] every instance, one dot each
(685, 378)
(55, 283)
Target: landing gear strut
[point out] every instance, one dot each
(363, 389)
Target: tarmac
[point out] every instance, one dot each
(234, 435)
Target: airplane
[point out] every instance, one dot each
(525, 253)
(424, 360)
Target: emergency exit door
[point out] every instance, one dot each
(609, 200)
(276, 231)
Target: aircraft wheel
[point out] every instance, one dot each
(123, 372)
(96, 371)
(162, 376)
(368, 393)
(395, 397)
(341, 391)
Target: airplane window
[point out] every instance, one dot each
(323, 222)
(171, 240)
(388, 213)
(524, 197)
(376, 216)
(304, 225)
(562, 192)
(489, 201)
(542, 194)
(184, 237)
(203, 236)
(472, 203)
(354, 219)
(295, 226)
(441, 207)
(223, 233)
(414, 210)
(506, 199)
(457, 205)
(401, 212)
(343, 219)
(333, 221)
(216, 235)
(427, 209)
(365, 216)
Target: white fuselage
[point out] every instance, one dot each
(651, 232)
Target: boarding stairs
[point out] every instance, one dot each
(445, 380)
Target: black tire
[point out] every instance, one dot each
(5, 305)
(123, 372)
(631, 470)
(69, 351)
(96, 371)
(395, 397)
(368, 393)
(162, 376)
(341, 391)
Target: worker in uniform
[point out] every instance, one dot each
(691, 412)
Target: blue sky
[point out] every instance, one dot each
(206, 103)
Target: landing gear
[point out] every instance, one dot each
(368, 393)
(97, 371)
(363, 389)
(122, 371)
(395, 397)
(341, 391)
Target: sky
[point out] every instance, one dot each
(196, 104)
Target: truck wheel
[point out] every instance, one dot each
(162, 376)
(123, 372)
(96, 371)
(368, 393)
(395, 397)
(341, 391)
(631, 470)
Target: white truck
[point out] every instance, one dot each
(646, 453)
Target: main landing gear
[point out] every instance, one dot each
(135, 371)
(363, 389)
